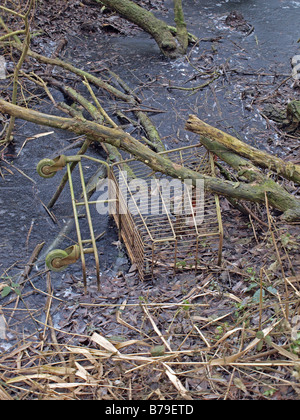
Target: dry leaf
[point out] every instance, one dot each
(231, 359)
(239, 384)
(83, 374)
(176, 382)
(2, 327)
(103, 342)
(24, 378)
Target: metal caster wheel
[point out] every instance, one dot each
(53, 260)
(44, 168)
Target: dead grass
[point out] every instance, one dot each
(198, 337)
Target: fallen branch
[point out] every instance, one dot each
(286, 169)
(171, 42)
(196, 88)
(252, 191)
(69, 67)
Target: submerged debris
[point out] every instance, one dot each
(237, 21)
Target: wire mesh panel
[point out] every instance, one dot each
(167, 225)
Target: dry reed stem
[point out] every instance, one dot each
(28, 373)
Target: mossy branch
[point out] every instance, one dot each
(288, 170)
(253, 191)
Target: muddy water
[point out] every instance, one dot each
(268, 49)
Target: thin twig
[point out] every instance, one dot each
(19, 65)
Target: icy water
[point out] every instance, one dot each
(268, 49)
